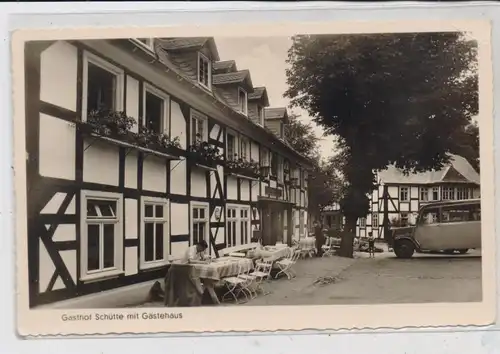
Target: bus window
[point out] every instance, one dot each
(429, 216)
(460, 213)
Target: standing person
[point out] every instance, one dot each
(320, 238)
(371, 245)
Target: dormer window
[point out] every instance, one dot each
(204, 71)
(147, 43)
(243, 101)
(260, 113)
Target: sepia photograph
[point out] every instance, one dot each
(251, 172)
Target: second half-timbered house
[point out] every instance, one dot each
(138, 148)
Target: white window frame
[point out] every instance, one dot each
(375, 220)
(85, 275)
(244, 152)
(407, 198)
(243, 109)
(195, 115)
(424, 192)
(238, 220)
(447, 192)
(260, 113)
(281, 172)
(166, 231)
(200, 205)
(435, 190)
(362, 222)
(235, 146)
(105, 65)
(203, 57)
(166, 105)
(149, 45)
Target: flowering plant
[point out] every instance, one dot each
(148, 138)
(110, 123)
(243, 167)
(204, 153)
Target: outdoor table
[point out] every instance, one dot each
(219, 268)
(273, 253)
(307, 243)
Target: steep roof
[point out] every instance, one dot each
(189, 43)
(457, 163)
(241, 76)
(224, 66)
(259, 93)
(275, 113)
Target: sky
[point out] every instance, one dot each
(266, 60)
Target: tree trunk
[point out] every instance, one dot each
(347, 241)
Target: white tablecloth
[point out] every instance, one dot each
(222, 267)
(307, 243)
(273, 253)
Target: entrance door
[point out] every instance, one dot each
(277, 226)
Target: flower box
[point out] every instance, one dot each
(205, 155)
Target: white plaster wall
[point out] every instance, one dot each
(179, 224)
(100, 162)
(374, 207)
(414, 205)
(54, 203)
(46, 267)
(69, 259)
(58, 75)
(154, 174)
(393, 191)
(57, 155)
(177, 124)
(131, 170)
(232, 185)
(64, 232)
(133, 101)
(178, 177)
(414, 192)
(375, 195)
(245, 190)
(177, 249)
(198, 183)
(130, 218)
(219, 238)
(272, 184)
(255, 190)
(131, 261)
(254, 152)
(403, 206)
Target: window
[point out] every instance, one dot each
(435, 193)
(154, 232)
(102, 85)
(199, 225)
(403, 194)
(462, 193)
(245, 225)
(155, 110)
(424, 194)
(280, 169)
(301, 223)
(147, 43)
(429, 216)
(204, 71)
(404, 219)
(447, 193)
(375, 220)
(260, 113)
(244, 148)
(362, 222)
(238, 225)
(242, 101)
(231, 147)
(264, 158)
(274, 164)
(198, 127)
(232, 229)
(102, 242)
(458, 213)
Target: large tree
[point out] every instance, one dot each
(301, 137)
(389, 98)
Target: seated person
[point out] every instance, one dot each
(196, 252)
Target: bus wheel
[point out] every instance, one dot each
(404, 249)
(463, 251)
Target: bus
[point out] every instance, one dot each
(448, 226)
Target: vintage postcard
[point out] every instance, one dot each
(254, 177)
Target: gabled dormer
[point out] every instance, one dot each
(234, 88)
(224, 67)
(194, 56)
(257, 102)
(275, 120)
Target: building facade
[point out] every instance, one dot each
(405, 194)
(137, 149)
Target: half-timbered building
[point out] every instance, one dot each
(136, 149)
(402, 195)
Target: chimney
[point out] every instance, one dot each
(257, 102)
(275, 120)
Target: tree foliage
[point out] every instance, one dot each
(301, 137)
(395, 98)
